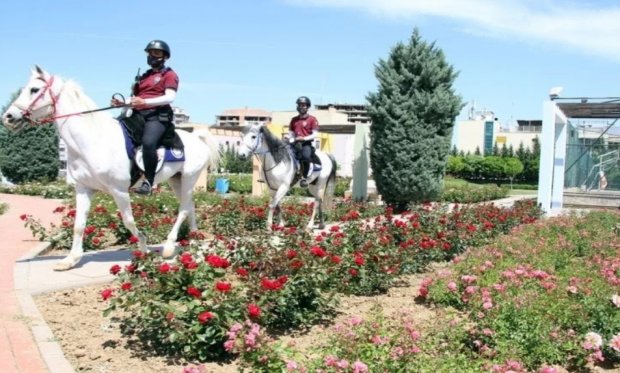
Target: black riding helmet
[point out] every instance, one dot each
(303, 100)
(159, 45)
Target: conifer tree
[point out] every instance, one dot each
(30, 154)
(413, 113)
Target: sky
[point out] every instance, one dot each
(265, 53)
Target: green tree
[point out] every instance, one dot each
(495, 152)
(30, 154)
(413, 113)
(232, 162)
(512, 168)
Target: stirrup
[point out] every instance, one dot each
(145, 188)
(303, 183)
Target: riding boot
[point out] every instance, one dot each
(150, 163)
(304, 174)
(145, 188)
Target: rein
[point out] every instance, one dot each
(51, 119)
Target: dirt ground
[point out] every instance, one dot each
(93, 343)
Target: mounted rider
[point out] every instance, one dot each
(153, 93)
(303, 130)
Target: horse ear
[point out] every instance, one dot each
(38, 71)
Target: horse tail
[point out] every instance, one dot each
(330, 187)
(214, 149)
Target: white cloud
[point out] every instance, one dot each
(583, 28)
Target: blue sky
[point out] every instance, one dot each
(263, 54)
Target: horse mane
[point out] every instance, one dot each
(277, 147)
(75, 92)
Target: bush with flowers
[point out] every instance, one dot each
(286, 278)
(546, 295)
(543, 300)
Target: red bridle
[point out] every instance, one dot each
(26, 113)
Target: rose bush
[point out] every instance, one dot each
(281, 279)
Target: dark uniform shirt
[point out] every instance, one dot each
(303, 126)
(154, 83)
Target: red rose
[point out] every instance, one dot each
(126, 286)
(194, 292)
(253, 310)
(222, 286)
(115, 269)
(106, 293)
(164, 268)
(205, 317)
(133, 239)
(317, 251)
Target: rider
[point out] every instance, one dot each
(153, 93)
(304, 128)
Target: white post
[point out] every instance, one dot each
(552, 158)
(360, 163)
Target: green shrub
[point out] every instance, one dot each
(56, 190)
(537, 296)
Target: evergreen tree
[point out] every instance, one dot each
(511, 151)
(495, 152)
(521, 152)
(413, 113)
(454, 152)
(503, 152)
(477, 151)
(30, 154)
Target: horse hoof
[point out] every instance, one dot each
(321, 226)
(63, 266)
(168, 251)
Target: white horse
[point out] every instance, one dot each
(279, 169)
(96, 156)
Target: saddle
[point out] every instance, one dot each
(171, 149)
(314, 166)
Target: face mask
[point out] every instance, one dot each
(302, 109)
(155, 62)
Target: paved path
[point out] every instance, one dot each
(18, 349)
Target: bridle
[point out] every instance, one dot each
(255, 149)
(27, 112)
(258, 153)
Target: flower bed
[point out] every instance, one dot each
(190, 306)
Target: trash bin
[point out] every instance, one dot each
(221, 186)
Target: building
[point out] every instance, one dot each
(355, 113)
(242, 117)
(484, 132)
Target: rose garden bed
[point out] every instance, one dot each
(224, 297)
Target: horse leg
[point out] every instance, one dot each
(321, 217)
(121, 198)
(315, 206)
(175, 184)
(186, 208)
(279, 214)
(82, 205)
(275, 203)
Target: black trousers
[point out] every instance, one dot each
(153, 132)
(304, 151)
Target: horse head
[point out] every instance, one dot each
(252, 140)
(35, 102)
